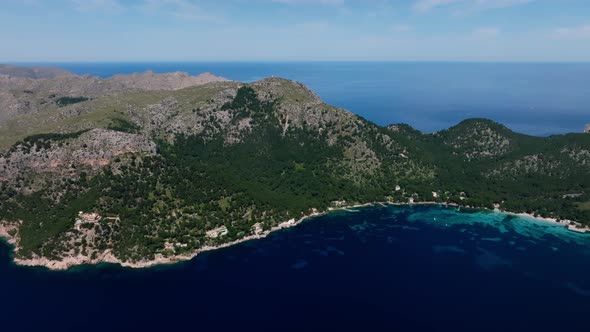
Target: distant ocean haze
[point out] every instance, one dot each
(533, 98)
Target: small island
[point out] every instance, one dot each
(148, 169)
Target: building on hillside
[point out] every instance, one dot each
(86, 218)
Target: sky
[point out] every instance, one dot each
(294, 30)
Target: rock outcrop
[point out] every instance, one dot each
(90, 86)
(33, 90)
(32, 165)
(33, 72)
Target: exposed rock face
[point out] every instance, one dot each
(298, 105)
(15, 82)
(31, 93)
(90, 86)
(89, 152)
(32, 72)
(587, 129)
(10, 106)
(167, 81)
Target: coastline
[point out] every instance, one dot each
(568, 224)
(107, 256)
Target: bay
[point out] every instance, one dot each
(419, 268)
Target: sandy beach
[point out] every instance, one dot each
(569, 224)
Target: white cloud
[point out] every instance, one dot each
(578, 32)
(401, 27)
(381, 9)
(313, 26)
(97, 5)
(183, 9)
(486, 32)
(35, 3)
(426, 5)
(493, 4)
(321, 2)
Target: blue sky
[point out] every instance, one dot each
(294, 30)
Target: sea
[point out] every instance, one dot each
(533, 98)
(379, 268)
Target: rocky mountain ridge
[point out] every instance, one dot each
(36, 72)
(21, 95)
(137, 176)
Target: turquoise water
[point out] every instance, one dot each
(419, 268)
(371, 269)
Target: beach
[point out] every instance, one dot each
(108, 257)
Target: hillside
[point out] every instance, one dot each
(32, 72)
(60, 94)
(140, 174)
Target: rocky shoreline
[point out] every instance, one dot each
(108, 257)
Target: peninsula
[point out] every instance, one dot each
(146, 169)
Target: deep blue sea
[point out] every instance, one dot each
(534, 98)
(371, 269)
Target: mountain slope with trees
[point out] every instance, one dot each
(141, 175)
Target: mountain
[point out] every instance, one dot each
(154, 168)
(24, 95)
(32, 72)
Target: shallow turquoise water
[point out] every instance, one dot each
(389, 268)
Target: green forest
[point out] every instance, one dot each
(197, 183)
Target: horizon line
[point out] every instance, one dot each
(293, 61)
